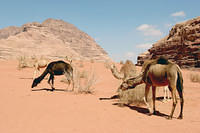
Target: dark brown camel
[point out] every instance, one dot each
(159, 72)
(56, 68)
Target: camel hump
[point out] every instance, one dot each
(162, 60)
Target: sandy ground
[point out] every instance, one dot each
(25, 111)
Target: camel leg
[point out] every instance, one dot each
(51, 82)
(154, 98)
(72, 78)
(69, 79)
(34, 73)
(166, 94)
(180, 92)
(164, 99)
(147, 87)
(167, 90)
(174, 99)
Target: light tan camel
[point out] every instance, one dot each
(37, 63)
(159, 72)
(127, 71)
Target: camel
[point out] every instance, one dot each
(155, 73)
(33, 62)
(127, 71)
(56, 68)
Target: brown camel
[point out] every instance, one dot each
(56, 68)
(127, 70)
(159, 72)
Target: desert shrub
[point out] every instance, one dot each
(134, 96)
(84, 81)
(83, 74)
(92, 61)
(195, 77)
(107, 64)
(25, 62)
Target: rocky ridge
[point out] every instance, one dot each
(181, 46)
(52, 38)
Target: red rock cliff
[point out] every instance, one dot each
(182, 45)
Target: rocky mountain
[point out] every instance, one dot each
(52, 39)
(181, 46)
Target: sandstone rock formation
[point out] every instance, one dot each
(52, 38)
(181, 46)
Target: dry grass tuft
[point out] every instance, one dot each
(25, 62)
(195, 77)
(92, 61)
(84, 81)
(107, 64)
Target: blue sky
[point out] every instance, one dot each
(124, 28)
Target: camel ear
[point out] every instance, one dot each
(68, 59)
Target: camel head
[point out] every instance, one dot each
(35, 82)
(127, 84)
(68, 59)
(131, 83)
(123, 86)
(113, 66)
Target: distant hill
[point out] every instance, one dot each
(51, 38)
(182, 45)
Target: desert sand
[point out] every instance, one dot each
(23, 110)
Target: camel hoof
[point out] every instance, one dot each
(180, 117)
(149, 114)
(52, 89)
(155, 113)
(169, 117)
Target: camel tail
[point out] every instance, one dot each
(180, 80)
(36, 81)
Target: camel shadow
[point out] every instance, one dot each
(47, 89)
(109, 98)
(26, 78)
(146, 111)
(143, 110)
(161, 98)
